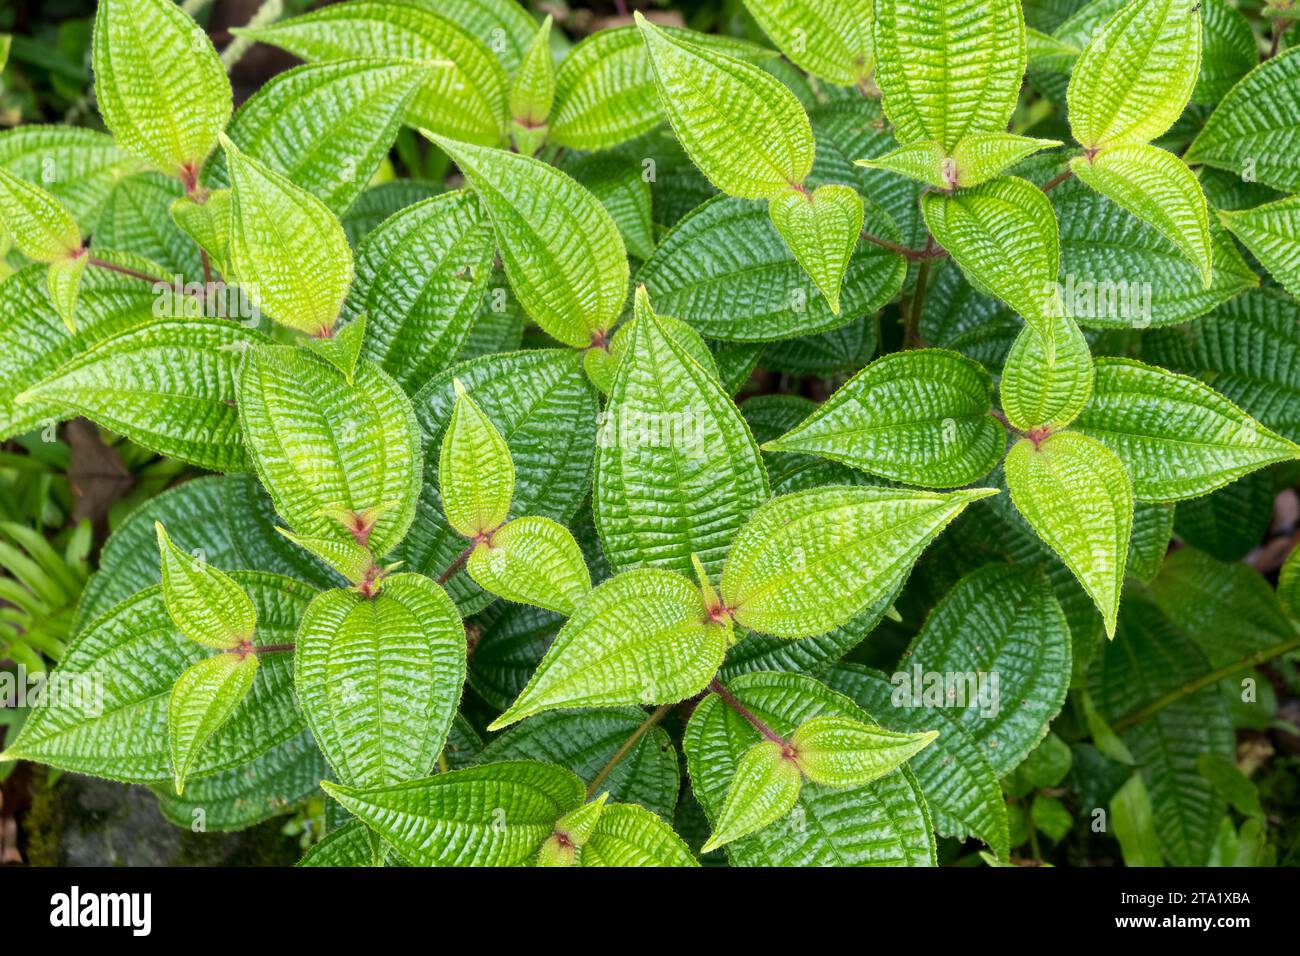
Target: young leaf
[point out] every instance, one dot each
(491, 815)
(205, 603)
(532, 560)
(41, 226)
(742, 127)
(1158, 188)
(324, 448)
(159, 85)
(949, 71)
(821, 228)
(1078, 497)
(344, 349)
(533, 92)
(810, 561)
(562, 252)
(979, 157)
(1003, 235)
(921, 417)
(1136, 75)
(475, 472)
(677, 470)
(925, 161)
(1046, 383)
(286, 248)
(202, 699)
(1178, 437)
(64, 282)
(601, 365)
(840, 752)
(208, 224)
(1269, 232)
(765, 788)
(465, 94)
(379, 678)
(831, 39)
(629, 835)
(642, 637)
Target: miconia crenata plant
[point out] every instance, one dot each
(829, 444)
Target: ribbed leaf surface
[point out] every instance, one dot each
(41, 227)
(137, 218)
(765, 789)
(831, 39)
(821, 228)
(475, 474)
(202, 699)
(88, 162)
(532, 560)
(204, 603)
(1270, 232)
(1047, 381)
(628, 835)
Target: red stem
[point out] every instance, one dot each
(124, 270)
(730, 700)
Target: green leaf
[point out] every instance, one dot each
(742, 127)
(202, 699)
(1047, 383)
(828, 38)
(572, 831)
(726, 271)
(532, 92)
(949, 71)
(326, 127)
(1003, 234)
(159, 85)
(41, 226)
(1288, 585)
(601, 365)
(1134, 823)
(920, 417)
(475, 473)
(765, 789)
(1158, 188)
(821, 228)
(1136, 75)
(168, 384)
(323, 447)
(208, 224)
(677, 470)
(882, 823)
(1255, 131)
(204, 603)
(1229, 51)
(286, 248)
(79, 166)
(605, 91)
(490, 815)
(379, 678)
(1153, 526)
(1178, 437)
(840, 752)
(629, 835)
(353, 844)
(925, 161)
(532, 560)
(465, 95)
(64, 281)
(1079, 499)
(810, 561)
(1269, 232)
(136, 219)
(508, 26)
(623, 189)
(562, 251)
(979, 157)
(344, 349)
(134, 654)
(644, 636)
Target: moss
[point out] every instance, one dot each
(43, 824)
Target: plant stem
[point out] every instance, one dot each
(912, 330)
(917, 254)
(273, 648)
(124, 270)
(626, 748)
(730, 700)
(457, 564)
(1057, 180)
(1205, 680)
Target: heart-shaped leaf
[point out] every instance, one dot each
(1046, 382)
(821, 228)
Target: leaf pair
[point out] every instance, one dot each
(45, 231)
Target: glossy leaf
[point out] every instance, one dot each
(829, 39)
(41, 227)
(1269, 232)
(840, 752)
(821, 228)
(532, 560)
(1047, 381)
(532, 92)
(475, 473)
(204, 602)
(765, 789)
(202, 699)
(979, 157)
(629, 835)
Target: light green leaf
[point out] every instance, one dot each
(810, 561)
(643, 637)
(821, 228)
(1178, 437)
(159, 85)
(920, 417)
(925, 161)
(572, 831)
(601, 365)
(41, 227)
(726, 271)
(947, 71)
(465, 94)
(1270, 232)
(1134, 823)
(167, 384)
(1078, 497)
(344, 349)
(134, 654)
(208, 224)
(830, 39)
(204, 603)
(840, 752)
(979, 157)
(532, 92)
(677, 471)
(507, 24)
(475, 473)
(532, 560)
(1255, 131)
(137, 219)
(78, 166)
(742, 127)
(562, 251)
(1003, 234)
(489, 815)
(353, 844)
(629, 835)
(605, 91)
(348, 558)
(286, 248)
(1136, 75)
(1047, 383)
(765, 789)
(1158, 188)
(64, 281)
(202, 699)
(379, 678)
(323, 447)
